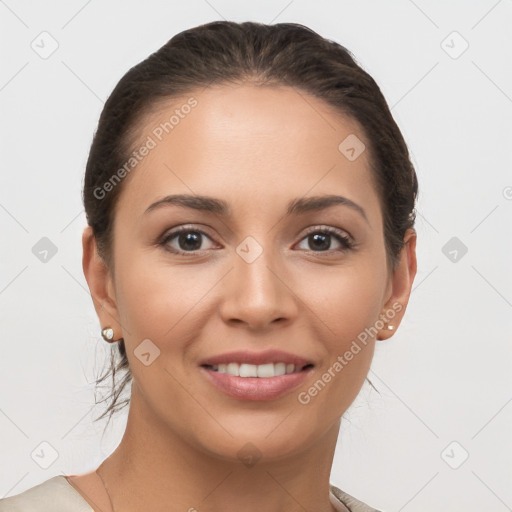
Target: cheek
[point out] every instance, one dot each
(346, 300)
(159, 300)
(160, 303)
(350, 311)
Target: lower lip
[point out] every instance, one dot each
(256, 388)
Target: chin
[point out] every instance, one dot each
(262, 442)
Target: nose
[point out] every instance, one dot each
(258, 294)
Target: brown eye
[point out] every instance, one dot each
(320, 240)
(188, 240)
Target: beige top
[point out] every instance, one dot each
(58, 495)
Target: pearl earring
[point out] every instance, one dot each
(108, 334)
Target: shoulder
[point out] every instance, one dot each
(53, 495)
(353, 504)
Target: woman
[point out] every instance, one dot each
(250, 206)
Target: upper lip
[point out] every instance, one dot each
(266, 356)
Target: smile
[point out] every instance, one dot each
(265, 385)
(265, 370)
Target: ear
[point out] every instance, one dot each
(400, 286)
(100, 283)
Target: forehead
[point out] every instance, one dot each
(247, 143)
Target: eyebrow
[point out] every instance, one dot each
(220, 207)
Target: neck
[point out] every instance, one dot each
(156, 468)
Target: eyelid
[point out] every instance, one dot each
(329, 229)
(173, 232)
(345, 239)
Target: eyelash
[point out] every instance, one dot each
(345, 241)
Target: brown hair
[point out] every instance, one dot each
(224, 51)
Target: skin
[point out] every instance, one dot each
(256, 148)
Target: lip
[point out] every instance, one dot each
(266, 356)
(255, 388)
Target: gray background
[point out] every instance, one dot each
(444, 378)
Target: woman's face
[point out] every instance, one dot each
(260, 274)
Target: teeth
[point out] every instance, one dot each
(253, 370)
